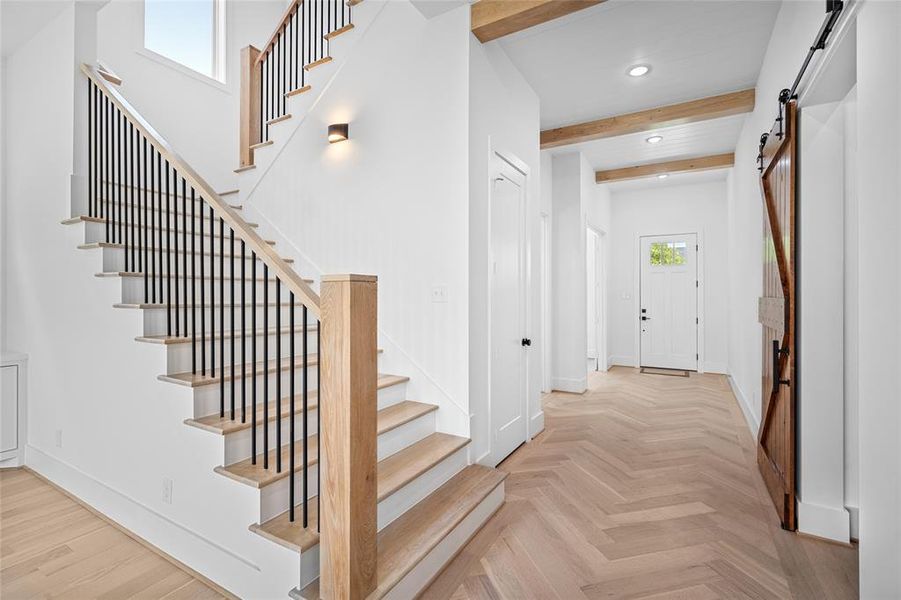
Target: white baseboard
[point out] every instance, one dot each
(573, 386)
(831, 523)
(536, 423)
(854, 513)
(715, 367)
(750, 417)
(622, 361)
(223, 566)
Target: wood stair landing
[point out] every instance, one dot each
(393, 474)
(405, 542)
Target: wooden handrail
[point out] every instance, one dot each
(303, 292)
(289, 12)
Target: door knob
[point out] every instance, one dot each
(644, 318)
(526, 342)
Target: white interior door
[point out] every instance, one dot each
(508, 397)
(669, 301)
(591, 287)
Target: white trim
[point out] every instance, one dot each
(179, 541)
(846, 22)
(713, 367)
(600, 268)
(750, 418)
(573, 386)
(854, 514)
(545, 278)
(622, 360)
(826, 522)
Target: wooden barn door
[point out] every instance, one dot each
(776, 438)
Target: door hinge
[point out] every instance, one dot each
(697, 357)
(697, 247)
(696, 283)
(696, 321)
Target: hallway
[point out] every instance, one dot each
(644, 487)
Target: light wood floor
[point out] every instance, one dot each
(644, 487)
(53, 547)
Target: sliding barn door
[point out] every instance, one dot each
(776, 438)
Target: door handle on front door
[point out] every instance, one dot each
(526, 342)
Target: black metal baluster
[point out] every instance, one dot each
(265, 366)
(194, 285)
(159, 218)
(278, 374)
(212, 299)
(90, 149)
(107, 171)
(142, 217)
(253, 357)
(244, 336)
(292, 414)
(168, 201)
(305, 406)
(202, 293)
(222, 318)
(318, 421)
(184, 239)
(119, 180)
(174, 233)
(231, 241)
(135, 193)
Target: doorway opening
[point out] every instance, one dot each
(668, 292)
(596, 301)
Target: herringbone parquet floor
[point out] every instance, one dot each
(644, 487)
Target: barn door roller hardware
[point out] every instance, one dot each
(833, 11)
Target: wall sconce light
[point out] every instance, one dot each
(337, 132)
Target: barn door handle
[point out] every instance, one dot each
(776, 352)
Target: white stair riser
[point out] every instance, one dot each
(133, 289)
(239, 445)
(398, 503)
(155, 319)
(274, 498)
(96, 232)
(114, 261)
(206, 397)
(179, 357)
(395, 440)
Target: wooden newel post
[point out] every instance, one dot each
(348, 496)
(250, 104)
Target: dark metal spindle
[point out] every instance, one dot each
(159, 218)
(168, 201)
(231, 241)
(222, 318)
(135, 191)
(174, 233)
(202, 293)
(291, 415)
(253, 357)
(305, 407)
(184, 239)
(194, 286)
(278, 374)
(244, 335)
(265, 366)
(212, 300)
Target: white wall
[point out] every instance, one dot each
(879, 188)
(197, 115)
(795, 28)
(503, 117)
(393, 200)
(657, 210)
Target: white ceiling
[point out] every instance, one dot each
(696, 48)
(675, 179)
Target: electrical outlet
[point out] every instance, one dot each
(439, 294)
(167, 490)
(59, 438)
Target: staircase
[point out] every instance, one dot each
(249, 340)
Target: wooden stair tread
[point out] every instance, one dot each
(401, 468)
(256, 476)
(228, 193)
(405, 542)
(333, 34)
(261, 145)
(117, 246)
(245, 168)
(293, 536)
(225, 425)
(317, 63)
(158, 305)
(87, 219)
(196, 380)
(300, 90)
(167, 340)
(176, 202)
(284, 117)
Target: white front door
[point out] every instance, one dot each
(508, 397)
(669, 301)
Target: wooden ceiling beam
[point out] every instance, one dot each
(714, 107)
(702, 163)
(492, 19)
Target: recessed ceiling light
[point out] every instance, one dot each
(663, 176)
(638, 70)
(654, 139)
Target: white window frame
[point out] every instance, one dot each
(218, 77)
